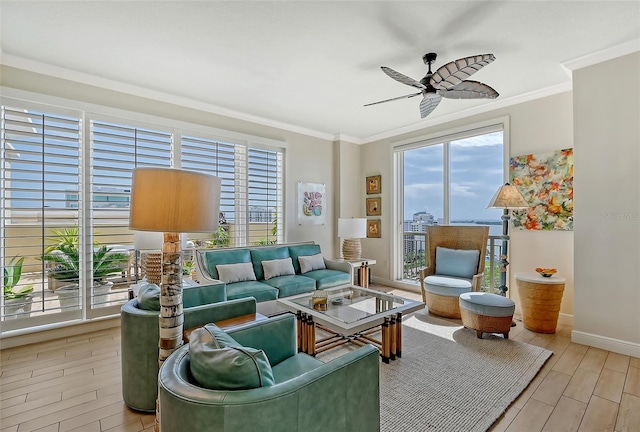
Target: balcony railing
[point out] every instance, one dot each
(415, 245)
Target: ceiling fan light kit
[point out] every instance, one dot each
(448, 81)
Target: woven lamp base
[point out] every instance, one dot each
(351, 249)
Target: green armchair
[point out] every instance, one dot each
(139, 338)
(308, 395)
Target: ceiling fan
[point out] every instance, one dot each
(448, 81)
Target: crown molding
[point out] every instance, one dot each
(491, 106)
(602, 56)
(88, 79)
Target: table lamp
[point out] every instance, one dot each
(508, 197)
(351, 231)
(173, 201)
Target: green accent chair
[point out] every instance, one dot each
(342, 395)
(140, 335)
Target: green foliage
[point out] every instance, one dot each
(219, 239)
(66, 259)
(12, 275)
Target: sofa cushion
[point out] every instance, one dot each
(457, 262)
(258, 290)
(447, 286)
(216, 257)
(277, 267)
(149, 297)
(294, 366)
(292, 284)
(311, 262)
(266, 254)
(238, 272)
(302, 250)
(329, 278)
(218, 362)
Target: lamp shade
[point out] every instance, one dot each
(508, 197)
(173, 200)
(352, 228)
(147, 240)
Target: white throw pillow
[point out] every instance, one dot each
(311, 262)
(277, 267)
(239, 272)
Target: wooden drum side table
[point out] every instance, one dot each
(540, 300)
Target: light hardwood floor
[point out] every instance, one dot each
(74, 384)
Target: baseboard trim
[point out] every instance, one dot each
(59, 332)
(606, 343)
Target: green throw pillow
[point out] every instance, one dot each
(149, 297)
(218, 362)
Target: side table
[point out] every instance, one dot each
(540, 300)
(355, 266)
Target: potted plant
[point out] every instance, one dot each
(16, 300)
(65, 261)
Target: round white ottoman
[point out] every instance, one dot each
(486, 313)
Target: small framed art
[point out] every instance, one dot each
(374, 206)
(374, 184)
(373, 228)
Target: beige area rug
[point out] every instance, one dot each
(448, 379)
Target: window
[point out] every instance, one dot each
(447, 180)
(66, 192)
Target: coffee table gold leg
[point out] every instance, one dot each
(399, 334)
(392, 337)
(303, 332)
(386, 340)
(311, 336)
(299, 329)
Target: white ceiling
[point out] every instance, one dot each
(312, 65)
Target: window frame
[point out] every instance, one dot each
(444, 136)
(87, 113)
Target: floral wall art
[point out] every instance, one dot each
(311, 203)
(546, 182)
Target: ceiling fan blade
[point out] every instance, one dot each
(402, 78)
(453, 73)
(429, 103)
(395, 98)
(469, 90)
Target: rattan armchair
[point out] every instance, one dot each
(441, 291)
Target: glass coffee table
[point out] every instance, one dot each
(350, 314)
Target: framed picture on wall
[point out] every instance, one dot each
(373, 228)
(374, 184)
(374, 206)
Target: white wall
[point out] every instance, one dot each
(606, 100)
(348, 176)
(537, 126)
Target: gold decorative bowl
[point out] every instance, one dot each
(546, 272)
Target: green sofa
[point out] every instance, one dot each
(336, 273)
(308, 395)
(140, 335)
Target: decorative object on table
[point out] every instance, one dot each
(319, 299)
(373, 228)
(546, 272)
(312, 203)
(448, 81)
(374, 184)
(546, 182)
(147, 246)
(351, 231)
(374, 206)
(540, 301)
(507, 197)
(173, 201)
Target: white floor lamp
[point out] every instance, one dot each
(508, 197)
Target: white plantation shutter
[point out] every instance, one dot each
(264, 186)
(116, 149)
(41, 183)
